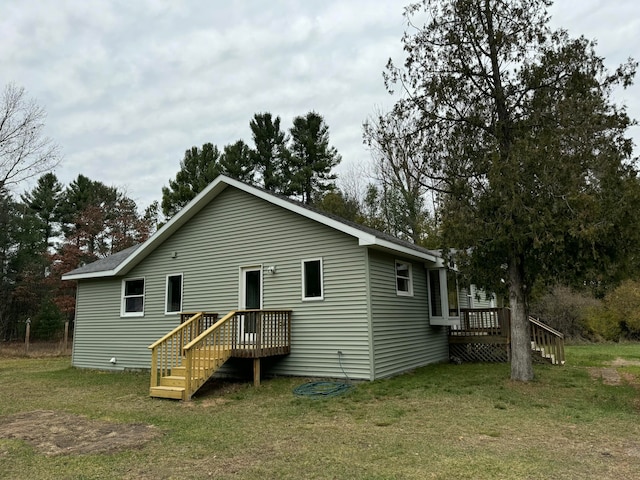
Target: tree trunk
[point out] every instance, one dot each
(521, 364)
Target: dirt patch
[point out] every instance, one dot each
(621, 362)
(59, 433)
(611, 376)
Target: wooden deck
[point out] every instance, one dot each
(184, 359)
(485, 335)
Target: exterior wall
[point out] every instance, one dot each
(236, 230)
(473, 297)
(402, 336)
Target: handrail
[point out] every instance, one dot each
(205, 353)
(167, 352)
(180, 327)
(548, 341)
(204, 334)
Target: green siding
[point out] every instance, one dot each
(402, 336)
(235, 230)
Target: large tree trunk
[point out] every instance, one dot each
(521, 364)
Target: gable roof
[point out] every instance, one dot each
(122, 262)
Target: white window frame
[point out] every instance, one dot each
(166, 293)
(304, 280)
(123, 301)
(409, 279)
(444, 319)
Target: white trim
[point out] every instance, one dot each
(166, 293)
(444, 318)
(124, 313)
(409, 292)
(304, 279)
(218, 186)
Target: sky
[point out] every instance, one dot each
(128, 86)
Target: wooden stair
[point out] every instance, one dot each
(174, 384)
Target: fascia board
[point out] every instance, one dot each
(82, 276)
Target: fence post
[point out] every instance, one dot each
(66, 335)
(27, 335)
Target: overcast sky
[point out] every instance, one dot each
(129, 85)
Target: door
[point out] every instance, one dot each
(250, 299)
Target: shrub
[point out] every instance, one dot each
(48, 324)
(566, 310)
(619, 315)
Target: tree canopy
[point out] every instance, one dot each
(24, 151)
(526, 148)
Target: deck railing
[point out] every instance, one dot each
(262, 333)
(493, 326)
(483, 322)
(167, 352)
(240, 333)
(548, 341)
(207, 352)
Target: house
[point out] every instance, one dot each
(362, 303)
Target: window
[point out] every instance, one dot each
(443, 297)
(133, 297)
(173, 302)
(404, 285)
(312, 288)
(435, 296)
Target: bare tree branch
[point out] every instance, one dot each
(24, 151)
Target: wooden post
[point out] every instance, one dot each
(27, 335)
(66, 335)
(256, 372)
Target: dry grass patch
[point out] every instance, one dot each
(59, 433)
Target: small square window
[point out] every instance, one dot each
(404, 283)
(133, 297)
(312, 288)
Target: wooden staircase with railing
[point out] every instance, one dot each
(485, 335)
(185, 358)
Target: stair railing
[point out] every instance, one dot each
(208, 351)
(167, 352)
(548, 341)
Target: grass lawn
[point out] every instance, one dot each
(441, 421)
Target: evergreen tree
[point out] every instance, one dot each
(528, 149)
(197, 170)
(270, 153)
(236, 162)
(44, 200)
(312, 158)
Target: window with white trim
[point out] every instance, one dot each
(312, 286)
(173, 302)
(133, 297)
(404, 279)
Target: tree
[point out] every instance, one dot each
(236, 162)
(312, 158)
(270, 153)
(527, 148)
(197, 170)
(24, 151)
(401, 151)
(44, 200)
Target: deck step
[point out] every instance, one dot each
(172, 381)
(176, 393)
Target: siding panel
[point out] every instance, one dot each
(236, 230)
(402, 336)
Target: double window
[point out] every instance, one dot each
(133, 297)
(312, 287)
(173, 299)
(404, 279)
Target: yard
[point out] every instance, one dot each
(441, 421)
